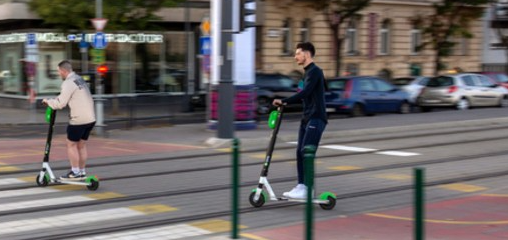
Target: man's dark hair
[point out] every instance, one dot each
(65, 64)
(307, 46)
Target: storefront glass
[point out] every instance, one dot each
(138, 63)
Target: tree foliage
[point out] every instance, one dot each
(121, 14)
(338, 12)
(451, 19)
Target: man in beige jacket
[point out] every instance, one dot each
(75, 93)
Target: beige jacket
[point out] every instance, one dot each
(76, 94)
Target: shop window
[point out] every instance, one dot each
(305, 31)
(384, 35)
(352, 38)
(287, 41)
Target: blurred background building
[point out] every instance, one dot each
(383, 41)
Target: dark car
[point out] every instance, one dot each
(273, 86)
(361, 95)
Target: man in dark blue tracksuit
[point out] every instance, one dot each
(314, 117)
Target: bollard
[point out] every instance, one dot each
(236, 179)
(419, 204)
(309, 152)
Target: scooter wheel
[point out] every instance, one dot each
(259, 202)
(94, 185)
(330, 205)
(45, 181)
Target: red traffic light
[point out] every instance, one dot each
(102, 69)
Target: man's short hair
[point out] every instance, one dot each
(307, 46)
(65, 64)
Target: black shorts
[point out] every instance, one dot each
(76, 133)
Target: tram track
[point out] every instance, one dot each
(212, 188)
(278, 161)
(366, 140)
(271, 206)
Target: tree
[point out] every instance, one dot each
(121, 14)
(338, 12)
(451, 18)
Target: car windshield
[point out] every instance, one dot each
(441, 81)
(337, 85)
(401, 81)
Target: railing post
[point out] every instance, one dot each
(235, 191)
(419, 204)
(309, 152)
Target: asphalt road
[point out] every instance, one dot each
(369, 171)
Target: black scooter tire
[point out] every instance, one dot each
(259, 203)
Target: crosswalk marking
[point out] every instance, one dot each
(344, 168)
(26, 192)
(10, 181)
(157, 233)
(67, 220)
(365, 150)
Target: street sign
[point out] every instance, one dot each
(31, 48)
(99, 23)
(98, 56)
(205, 45)
(99, 40)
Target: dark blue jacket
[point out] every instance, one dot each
(312, 94)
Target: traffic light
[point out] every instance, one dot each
(246, 9)
(102, 70)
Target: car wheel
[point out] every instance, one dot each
(405, 108)
(263, 105)
(503, 102)
(357, 111)
(463, 104)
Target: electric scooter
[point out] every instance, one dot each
(258, 197)
(46, 175)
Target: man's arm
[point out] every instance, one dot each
(63, 98)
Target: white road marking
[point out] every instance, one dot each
(398, 153)
(348, 148)
(9, 181)
(26, 192)
(66, 220)
(46, 202)
(157, 233)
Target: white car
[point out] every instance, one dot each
(412, 85)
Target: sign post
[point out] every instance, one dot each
(99, 42)
(31, 59)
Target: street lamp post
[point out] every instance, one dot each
(99, 102)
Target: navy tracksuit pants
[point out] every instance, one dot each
(310, 134)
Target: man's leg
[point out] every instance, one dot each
(83, 154)
(73, 153)
(299, 152)
(313, 132)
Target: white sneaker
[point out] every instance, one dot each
(300, 191)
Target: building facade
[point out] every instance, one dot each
(382, 42)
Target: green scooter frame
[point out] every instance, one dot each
(46, 175)
(258, 197)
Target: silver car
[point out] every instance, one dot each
(462, 91)
(412, 85)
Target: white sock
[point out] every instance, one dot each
(82, 171)
(75, 170)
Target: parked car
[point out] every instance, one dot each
(499, 78)
(362, 95)
(412, 85)
(461, 91)
(272, 86)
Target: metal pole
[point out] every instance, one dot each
(309, 152)
(419, 204)
(99, 106)
(226, 89)
(235, 193)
